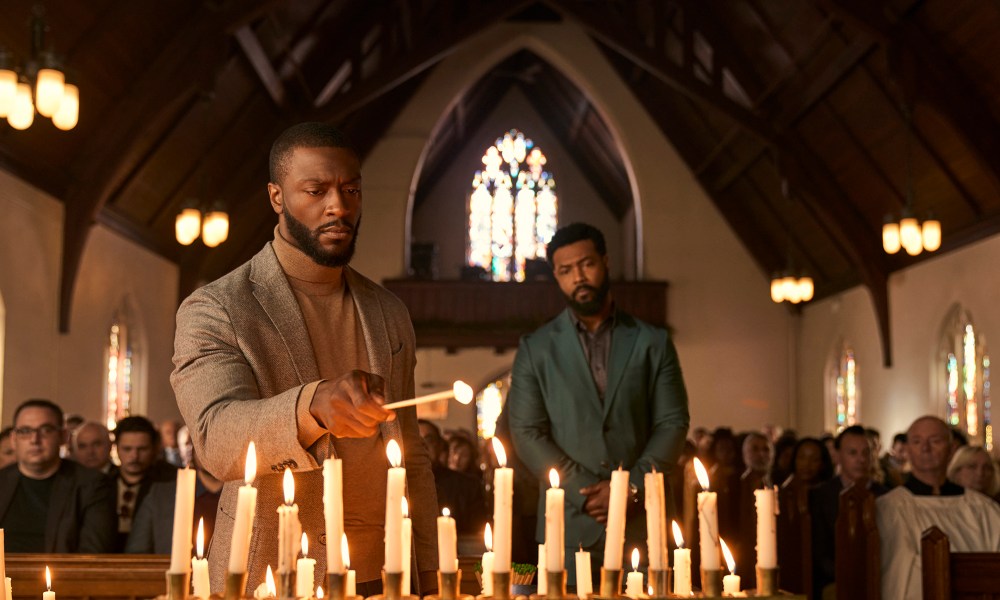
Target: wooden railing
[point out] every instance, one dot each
(462, 314)
(89, 576)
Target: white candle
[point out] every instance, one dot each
(48, 594)
(352, 580)
(682, 564)
(333, 512)
(615, 536)
(656, 522)
(503, 504)
(708, 521)
(731, 582)
(633, 582)
(199, 566)
(543, 581)
(180, 554)
(305, 572)
(395, 485)
(447, 543)
(488, 562)
(767, 537)
(7, 586)
(584, 583)
(555, 499)
(407, 542)
(246, 508)
(289, 527)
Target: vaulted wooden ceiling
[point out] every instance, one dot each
(182, 99)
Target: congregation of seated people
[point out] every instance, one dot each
(72, 486)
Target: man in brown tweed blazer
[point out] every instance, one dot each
(297, 352)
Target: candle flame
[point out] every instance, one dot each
(488, 538)
(394, 453)
(288, 484)
(445, 512)
(319, 592)
(635, 559)
(499, 451)
(250, 471)
(200, 539)
(699, 470)
(728, 556)
(678, 538)
(305, 545)
(48, 579)
(462, 391)
(344, 551)
(272, 590)
(554, 478)
(406, 507)
(649, 590)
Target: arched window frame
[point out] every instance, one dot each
(842, 389)
(963, 368)
(122, 366)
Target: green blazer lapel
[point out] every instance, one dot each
(622, 341)
(275, 296)
(570, 352)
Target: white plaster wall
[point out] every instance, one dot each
(920, 299)
(68, 369)
(733, 342)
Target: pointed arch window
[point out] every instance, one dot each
(846, 389)
(966, 374)
(512, 208)
(120, 372)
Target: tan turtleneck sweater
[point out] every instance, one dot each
(338, 344)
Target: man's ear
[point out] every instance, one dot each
(275, 196)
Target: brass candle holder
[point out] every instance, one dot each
(611, 584)
(555, 586)
(661, 580)
(392, 588)
(501, 586)
(767, 581)
(178, 585)
(336, 587)
(236, 584)
(286, 585)
(711, 582)
(449, 587)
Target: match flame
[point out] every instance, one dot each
(48, 579)
(272, 590)
(344, 552)
(499, 451)
(319, 592)
(462, 391)
(406, 507)
(554, 478)
(635, 559)
(488, 538)
(394, 453)
(699, 470)
(250, 471)
(728, 556)
(200, 539)
(305, 545)
(445, 512)
(678, 538)
(288, 484)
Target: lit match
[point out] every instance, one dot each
(461, 391)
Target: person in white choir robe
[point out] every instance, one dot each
(969, 519)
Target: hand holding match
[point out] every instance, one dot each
(460, 391)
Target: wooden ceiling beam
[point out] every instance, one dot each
(261, 63)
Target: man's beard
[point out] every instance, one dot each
(308, 241)
(597, 297)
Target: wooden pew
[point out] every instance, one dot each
(857, 556)
(89, 576)
(957, 575)
(795, 538)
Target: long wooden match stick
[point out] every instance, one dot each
(460, 391)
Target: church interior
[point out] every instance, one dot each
(805, 193)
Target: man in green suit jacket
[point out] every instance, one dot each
(593, 390)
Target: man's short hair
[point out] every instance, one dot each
(304, 135)
(40, 403)
(137, 424)
(74, 420)
(5, 433)
(899, 438)
(852, 430)
(572, 233)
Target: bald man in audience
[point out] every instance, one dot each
(969, 519)
(91, 447)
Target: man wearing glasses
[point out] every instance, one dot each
(49, 504)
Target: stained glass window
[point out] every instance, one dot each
(512, 208)
(847, 390)
(967, 378)
(119, 376)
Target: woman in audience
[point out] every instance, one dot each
(811, 463)
(784, 449)
(971, 467)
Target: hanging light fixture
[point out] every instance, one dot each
(908, 233)
(785, 286)
(212, 226)
(37, 85)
